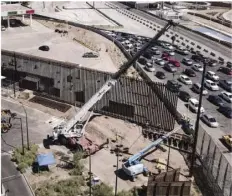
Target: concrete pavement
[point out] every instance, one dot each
(12, 179)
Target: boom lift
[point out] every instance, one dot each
(132, 167)
(74, 129)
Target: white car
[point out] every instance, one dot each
(193, 104)
(160, 62)
(167, 46)
(210, 120)
(150, 67)
(212, 76)
(170, 52)
(198, 67)
(226, 96)
(185, 79)
(211, 85)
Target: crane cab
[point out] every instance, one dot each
(133, 170)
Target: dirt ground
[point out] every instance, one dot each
(94, 42)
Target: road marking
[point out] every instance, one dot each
(13, 176)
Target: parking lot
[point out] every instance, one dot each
(130, 42)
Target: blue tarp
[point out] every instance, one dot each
(45, 159)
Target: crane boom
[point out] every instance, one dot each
(79, 117)
(153, 144)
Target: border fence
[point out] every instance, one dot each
(130, 99)
(216, 164)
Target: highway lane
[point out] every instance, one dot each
(189, 34)
(12, 178)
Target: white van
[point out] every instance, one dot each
(193, 104)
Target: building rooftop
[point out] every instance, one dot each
(13, 7)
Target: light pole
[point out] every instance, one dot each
(21, 134)
(28, 144)
(117, 155)
(90, 174)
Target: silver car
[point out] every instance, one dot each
(210, 120)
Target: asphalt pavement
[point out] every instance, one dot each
(12, 179)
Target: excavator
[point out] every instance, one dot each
(72, 131)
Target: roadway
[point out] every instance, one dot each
(12, 179)
(191, 35)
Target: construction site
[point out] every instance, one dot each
(126, 126)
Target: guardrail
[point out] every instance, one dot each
(222, 22)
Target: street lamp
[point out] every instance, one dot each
(28, 145)
(117, 150)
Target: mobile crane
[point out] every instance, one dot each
(132, 167)
(72, 131)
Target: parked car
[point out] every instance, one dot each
(212, 63)
(210, 120)
(170, 67)
(197, 88)
(197, 57)
(150, 67)
(160, 75)
(147, 55)
(142, 61)
(187, 61)
(212, 76)
(185, 96)
(182, 50)
(160, 62)
(211, 85)
(226, 96)
(229, 64)
(225, 70)
(155, 51)
(174, 62)
(90, 55)
(216, 100)
(226, 84)
(44, 48)
(165, 55)
(226, 110)
(3, 28)
(189, 72)
(197, 67)
(185, 79)
(170, 52)
(193, 104)
(167, 46)
(173, 85)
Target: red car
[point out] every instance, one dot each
(164, 55)
(174, 62)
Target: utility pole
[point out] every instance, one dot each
(21, 134)
(168, 157)
(116, 181)
(90, 175)
(198, 120)
(28, 143)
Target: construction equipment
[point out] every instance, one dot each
(6, 116)
(74, 129)
(132, 167)
(228, 141)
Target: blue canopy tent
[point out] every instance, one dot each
(45, 159)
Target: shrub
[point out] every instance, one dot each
(102, 190)
(25, 160)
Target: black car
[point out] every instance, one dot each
(90, 55)
(227, 111)
(148, 55)
(196, 58)
(226, 84)
(225, 70)
(189, 72)
(229, 64)
(185, 96)
(44, 48)
(212, 63)
(160, 75)
(216, 100)
(142, 61)
(173, 85)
